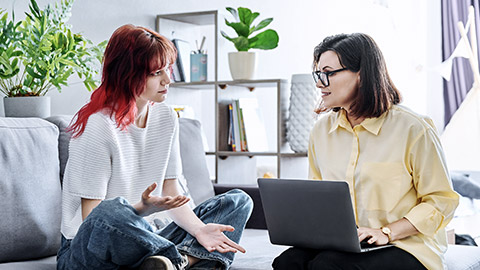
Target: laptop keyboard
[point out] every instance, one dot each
(365, 244)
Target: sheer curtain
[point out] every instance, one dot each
(455, 90)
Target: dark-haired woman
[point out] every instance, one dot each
(123, 165)
(390, 156)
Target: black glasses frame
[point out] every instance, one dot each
(323, 76)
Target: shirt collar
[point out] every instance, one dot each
(372, 125)
(340, 121)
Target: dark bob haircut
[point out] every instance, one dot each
(359, 52)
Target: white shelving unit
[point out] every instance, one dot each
(272, 93)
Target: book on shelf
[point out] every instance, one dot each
(255, 133)
(246, 127)
(231, 139)
(241, 127)
(181, 68)
(236, 127)
(241, 122)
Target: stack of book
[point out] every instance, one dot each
(181, 68)
(246, 126)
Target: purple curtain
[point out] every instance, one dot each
(455, 90)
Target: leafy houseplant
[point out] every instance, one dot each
(265, 40)
(242, 63)
(41, 52)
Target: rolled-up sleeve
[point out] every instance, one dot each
(437, 200)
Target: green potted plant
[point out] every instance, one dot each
(41, 53)
(242, 63)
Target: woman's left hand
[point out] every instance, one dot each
(212, 238)
(151, 204)
(373, 236)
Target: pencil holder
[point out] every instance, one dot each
(198, 67)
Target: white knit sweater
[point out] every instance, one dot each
(106, 162)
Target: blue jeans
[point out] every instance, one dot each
(114, 236)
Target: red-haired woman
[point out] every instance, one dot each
(124, 140)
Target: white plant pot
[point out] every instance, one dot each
(303, 97)
(242, 65)
(27, 106)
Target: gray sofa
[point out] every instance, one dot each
(33, 154)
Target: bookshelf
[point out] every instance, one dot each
(271, 93)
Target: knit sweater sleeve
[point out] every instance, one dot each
(89, 165)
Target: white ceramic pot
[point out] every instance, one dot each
(303, 97)
(27, 106)
(242, 65)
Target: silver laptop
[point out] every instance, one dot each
(311, 214)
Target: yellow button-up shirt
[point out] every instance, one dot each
(395, 167)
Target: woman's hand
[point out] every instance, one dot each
(212, 238)
(151, 204)
(373, 236)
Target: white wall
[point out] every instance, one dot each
(407, 31)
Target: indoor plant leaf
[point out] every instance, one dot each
(239, 27)
(245, 16)
(226, 36)
(266, 40)
(32, 73)
(241, 43)
(34, 8)
(233, 12)
(261, 25)
(254, 16)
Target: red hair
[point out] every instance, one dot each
(132, 53)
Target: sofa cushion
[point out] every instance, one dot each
(30, 189)
(465, 185)
(193, 160)
(462, 257)
(62, 122)
(48, 263)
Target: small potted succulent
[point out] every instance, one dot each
(242, 63)
(41, 53)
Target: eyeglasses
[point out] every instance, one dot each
(323, 76)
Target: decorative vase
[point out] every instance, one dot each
(242, 65)
(27, 106)
(303, 97)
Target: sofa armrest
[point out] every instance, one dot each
(257, 219)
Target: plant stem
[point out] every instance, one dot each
(22, 77)
(44, 89)
(3, 87)
(7, 85)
